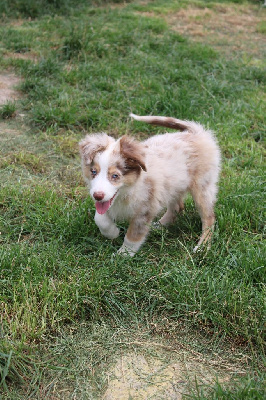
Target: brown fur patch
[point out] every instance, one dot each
(113, 170)
(132, 152)
(151, 188)
(87, 170)
(119, 165)
(130, 177)
(168, 122)
(140, 225)
(138, 228)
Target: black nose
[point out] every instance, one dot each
(98, 195)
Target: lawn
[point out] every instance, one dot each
(83, 67)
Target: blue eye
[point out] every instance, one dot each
(93, 172)
(115, 176)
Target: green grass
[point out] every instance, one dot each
(8, 110)
(249, 388)
(91, 70)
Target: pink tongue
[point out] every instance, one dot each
(102, 207)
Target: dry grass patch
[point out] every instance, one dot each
(22, 56)
(7, 132)
(230, 29)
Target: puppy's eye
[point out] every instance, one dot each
(93, 172)
(115, 177)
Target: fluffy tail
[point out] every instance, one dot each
(168, 122)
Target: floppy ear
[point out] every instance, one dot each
(133, 153)
(91, 145)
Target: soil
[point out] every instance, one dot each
(8, 82)
(139, 377)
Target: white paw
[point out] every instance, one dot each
(196, 248)
(112, 233)
(202, 247)
(125, 251)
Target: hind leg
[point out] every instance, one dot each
(204, 197)
(170, 215)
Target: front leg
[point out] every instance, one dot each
(106, 225)
(136, 234)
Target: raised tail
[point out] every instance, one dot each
(168, 122)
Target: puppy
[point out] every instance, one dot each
(134, 181)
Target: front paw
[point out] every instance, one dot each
(112, 233)
(125, 251)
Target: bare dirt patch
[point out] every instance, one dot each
(22, 56)
(153, 370)
(139, 376)
(8, 81)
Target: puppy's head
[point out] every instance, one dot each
(108, 165)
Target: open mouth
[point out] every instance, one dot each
(104, 206)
